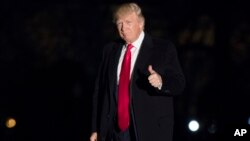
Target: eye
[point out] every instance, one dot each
(118, 23)
(129, 22)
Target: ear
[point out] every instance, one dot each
(141, 24)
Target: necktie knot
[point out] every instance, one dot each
(129, 46)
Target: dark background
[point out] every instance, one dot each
(50, 52)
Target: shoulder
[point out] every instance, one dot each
(112, 46)
(159, 42)
(163, 43)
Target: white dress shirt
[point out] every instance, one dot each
(134, 54)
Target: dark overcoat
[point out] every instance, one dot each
(152, 109)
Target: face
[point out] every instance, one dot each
(129, 27)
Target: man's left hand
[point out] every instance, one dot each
(154, 78)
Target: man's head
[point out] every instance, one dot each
(129, 21)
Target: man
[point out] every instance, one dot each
(134, 102)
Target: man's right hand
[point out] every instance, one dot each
(93, 136)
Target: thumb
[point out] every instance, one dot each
(150, 69)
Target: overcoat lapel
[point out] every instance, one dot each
(144, 55)
(114, 60)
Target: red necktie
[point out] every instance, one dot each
(123, 91)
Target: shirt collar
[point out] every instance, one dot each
(137, 43)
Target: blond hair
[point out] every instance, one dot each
(128, 8)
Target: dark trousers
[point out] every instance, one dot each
(121, 136)
(116, 135)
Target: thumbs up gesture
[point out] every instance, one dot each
(154, 78)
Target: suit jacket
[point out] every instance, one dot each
(152, 109)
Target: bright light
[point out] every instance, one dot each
(10, 123)
(248, 121)
(193, 125)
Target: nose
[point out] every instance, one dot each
(122, 27)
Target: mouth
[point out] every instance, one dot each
(123, 35)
